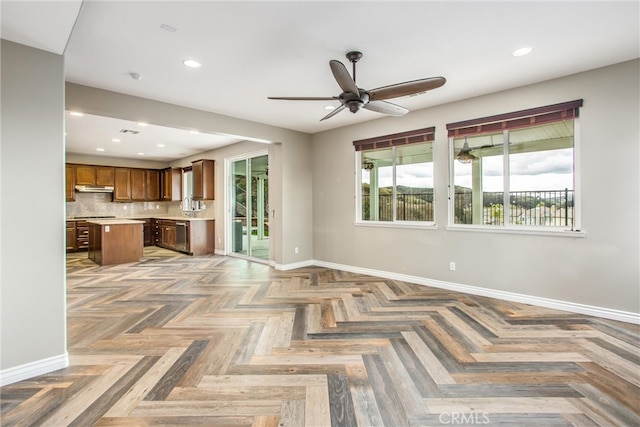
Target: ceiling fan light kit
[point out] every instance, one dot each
(465, 156)
(355, 98)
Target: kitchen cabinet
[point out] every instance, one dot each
(156, 230)
(70, 183)
(201, 237)
(122, 185)
(115, 241)
(147, 232)
(172, 184)
(169, 234)
(153, 184)
(105, 175)
(94, 175)
(82, 235)
(71, 236)
(85, 175)
(203, 179)
(138, 179)
(198, 239)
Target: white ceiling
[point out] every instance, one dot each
(252, 50)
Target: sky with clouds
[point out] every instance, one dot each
(536, 171)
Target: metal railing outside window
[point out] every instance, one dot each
(409, 207)
(539, 208)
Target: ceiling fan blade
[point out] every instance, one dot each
(385, 107)
(406, 88)
(304, 98)
(342, 76)
(333, 113)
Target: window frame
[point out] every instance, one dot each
(490, 122)
(419, 136)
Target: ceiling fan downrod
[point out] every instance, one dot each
(353, 57)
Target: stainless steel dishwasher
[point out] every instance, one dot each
(181, 236)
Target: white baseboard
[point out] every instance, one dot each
(293, 266)
(607, 313)
(33, 369)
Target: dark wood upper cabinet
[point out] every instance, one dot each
(122, 185)
(85, 175)
(172, 184)
(203, 180)
(94, 175)
(138, 184)
(153, 184)
(105, 175)
(70, 183)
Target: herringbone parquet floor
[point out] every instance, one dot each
(176, 340)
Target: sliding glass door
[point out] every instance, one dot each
(249, 218)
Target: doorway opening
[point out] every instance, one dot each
(248, 218)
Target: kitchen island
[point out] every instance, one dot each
(115, 241)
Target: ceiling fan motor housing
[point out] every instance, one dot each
(354, 101)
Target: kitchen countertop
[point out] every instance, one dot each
(182, 218)
(137, 218)
(113, 221)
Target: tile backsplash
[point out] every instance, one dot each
(100, 204)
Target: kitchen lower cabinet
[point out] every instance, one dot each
(71, 236)
(115, 241)
(147, 232)
(156, 230)
(169, 234)
(82, 235)
(190, 236)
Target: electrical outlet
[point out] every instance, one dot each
(296, 250)
(452, 266)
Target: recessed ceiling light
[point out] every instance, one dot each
(115, 140)
(99, 149)
(143, 124)
(140, 154)
(522, 51)
(161, 145)
(76, 113)
(192, 63)
(329, 107)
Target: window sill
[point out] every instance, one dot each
(381, 224)
(516, 230)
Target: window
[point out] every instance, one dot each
(395, 178)
(187, 189)
(515, 170)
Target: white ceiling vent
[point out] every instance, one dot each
(133, 132)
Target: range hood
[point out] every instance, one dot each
(94, 188)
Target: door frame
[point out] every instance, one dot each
(228, 218)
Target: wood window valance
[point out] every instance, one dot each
(396, 139)
(517, 119)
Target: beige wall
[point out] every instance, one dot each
(32, 307)
(601, 270)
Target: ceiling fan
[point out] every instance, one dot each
(354, 98)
